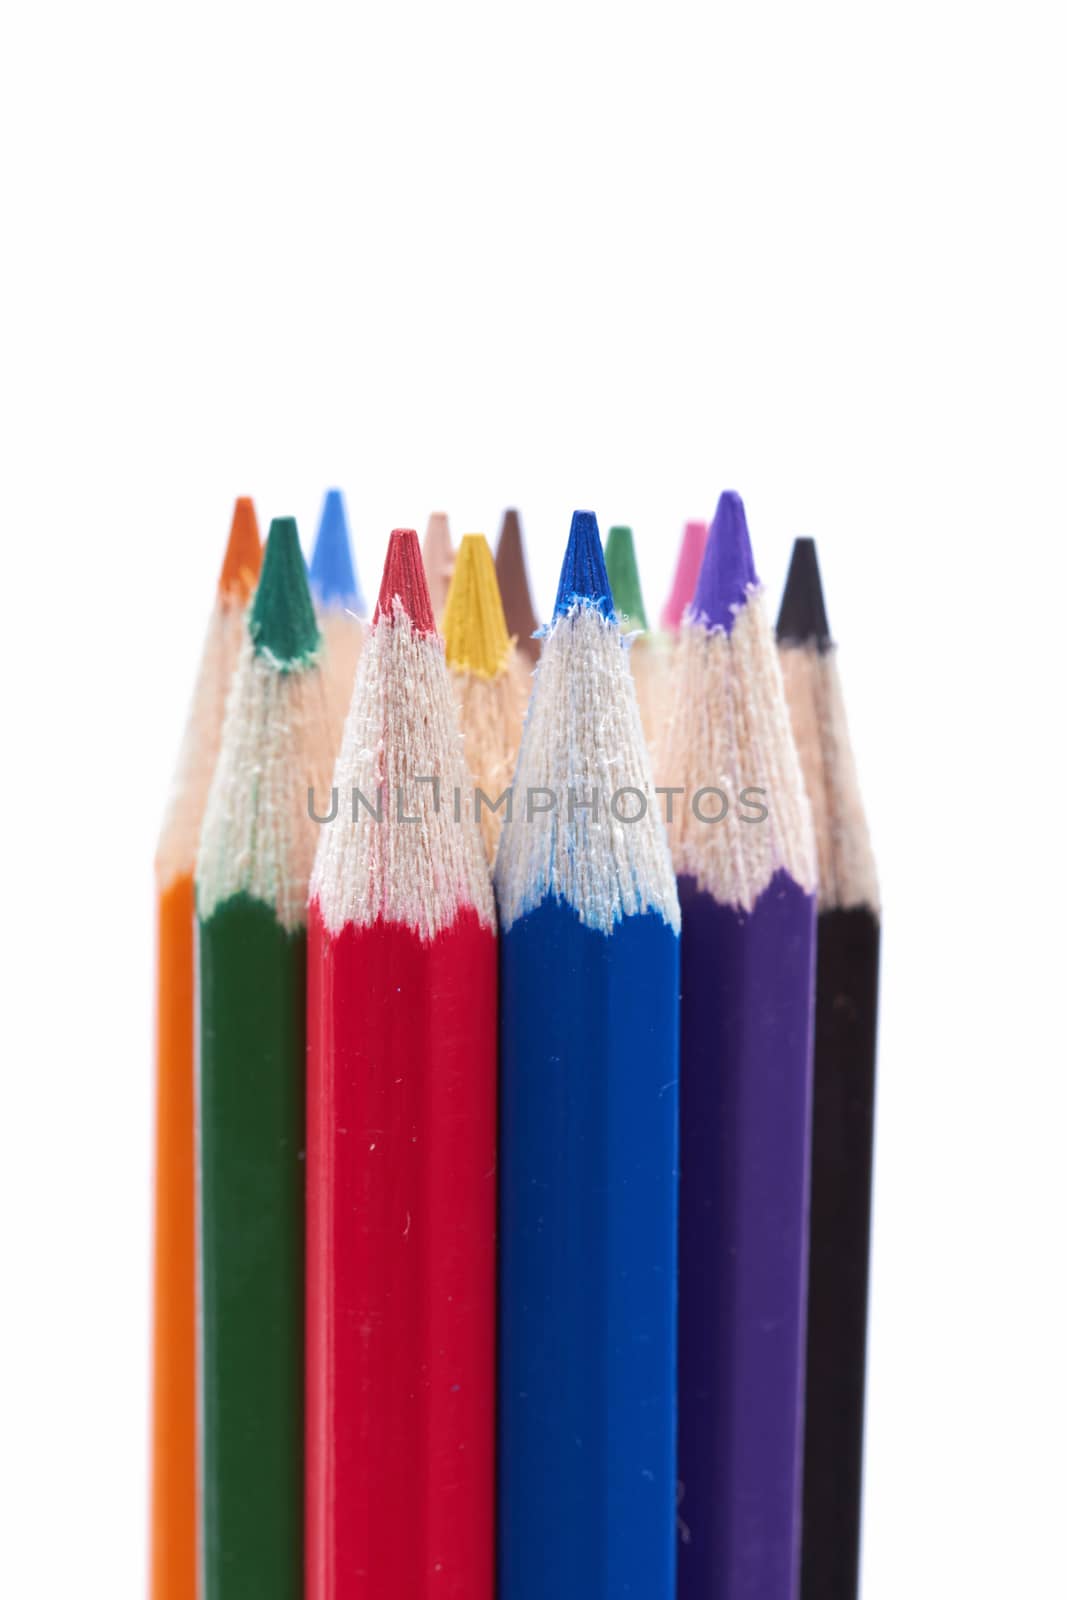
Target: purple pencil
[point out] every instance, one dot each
(741, 838)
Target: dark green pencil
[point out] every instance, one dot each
(255, 859)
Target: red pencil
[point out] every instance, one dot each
(401, 1138)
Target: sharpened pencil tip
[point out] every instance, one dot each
(514, 584)
(620, 559)
(583, 576)
(404, 579)
(439, 558)
(475, 633)
(727, 571)
(244, 553)
(438, 534)
(686, 572)
(437, 546)
(802, 616)
(333, 573)
(282, 622)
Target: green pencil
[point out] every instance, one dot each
(648, 655)
(255, 859)
(620, 559)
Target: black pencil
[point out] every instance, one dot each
(846, 1000)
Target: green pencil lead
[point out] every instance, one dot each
(621, 562)
(282, 623)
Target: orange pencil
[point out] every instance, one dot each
(173, 1542)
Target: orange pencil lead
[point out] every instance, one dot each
(244, 554)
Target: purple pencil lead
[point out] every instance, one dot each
(728, 570)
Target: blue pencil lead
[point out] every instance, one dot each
(727, 570)
(333, 573)
(583, 576)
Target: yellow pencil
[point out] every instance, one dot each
(489, 684)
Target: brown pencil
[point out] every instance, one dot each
(519, 612)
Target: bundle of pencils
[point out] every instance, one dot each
(744, 855)
(401, 1138)
(588, 1130)
(174, 1500)
(846, 1003)
(355, 1419)
(251, 892)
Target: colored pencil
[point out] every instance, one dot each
(647, 660)
(339, 605)
(173, 1519)
(489, 685)
(439, 558)
(742, 843)
(251, 887)
(686, 572)
(846, 1004)
(401, 1139)
(514, 584)
(588, 1128)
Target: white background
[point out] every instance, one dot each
(613, 256)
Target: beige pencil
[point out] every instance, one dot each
(439, 558)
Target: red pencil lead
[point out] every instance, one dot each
(404, 579)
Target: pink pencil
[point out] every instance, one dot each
(690, 555)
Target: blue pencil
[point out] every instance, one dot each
(339, 605)
(334, 581)
(744, 852)
(588, 1128)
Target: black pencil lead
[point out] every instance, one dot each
(802, 616)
